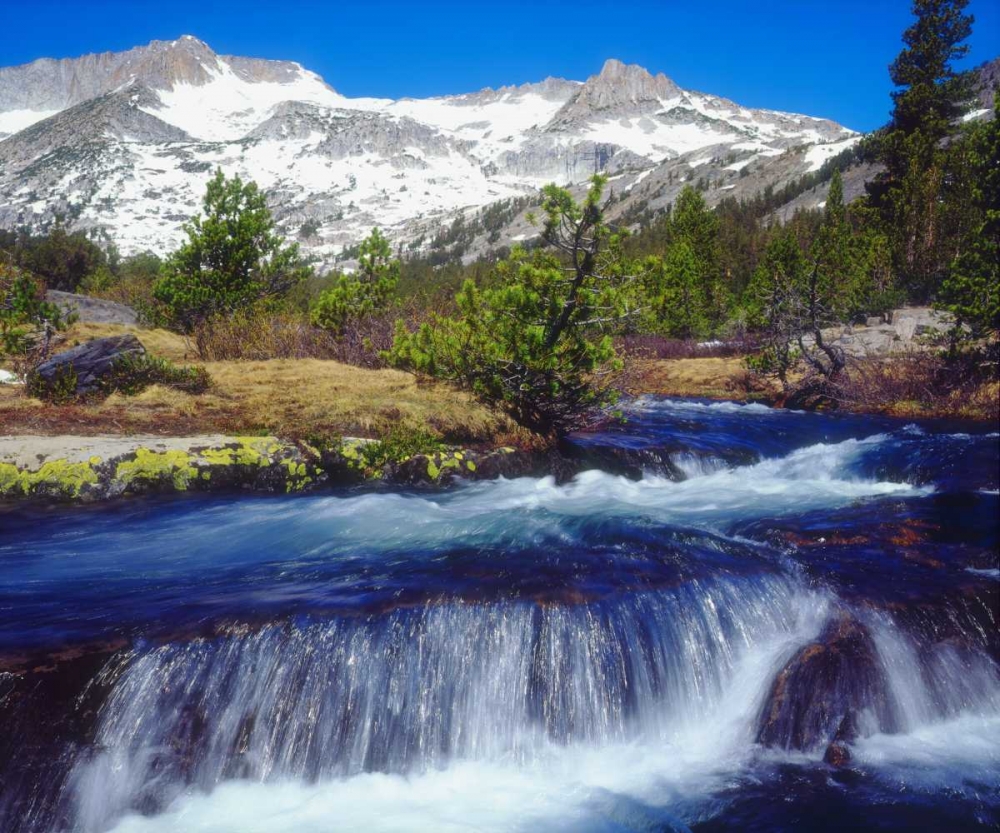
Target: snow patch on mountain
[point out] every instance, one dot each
(820, 153)
(137, 134)
(228, 107)
(13, 121)
(494, 125)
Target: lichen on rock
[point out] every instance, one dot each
(82, 468)
(55, 478)
(148, 469)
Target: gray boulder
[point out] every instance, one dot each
(93, 310)
(90, 363)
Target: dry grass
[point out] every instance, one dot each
(921, 384)
(288, 397)
(711, 378)
(303, 397)
(162, 343)
(298, 393)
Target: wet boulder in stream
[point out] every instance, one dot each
(819, 696)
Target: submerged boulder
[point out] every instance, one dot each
(80, 370)
(818, 698)
(627, 461)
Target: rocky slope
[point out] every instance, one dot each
(124, 142)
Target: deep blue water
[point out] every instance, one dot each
(521, 655)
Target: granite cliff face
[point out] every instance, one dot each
(988, 83)
(124, 142)
(48, 84)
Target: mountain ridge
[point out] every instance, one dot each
(123, 143)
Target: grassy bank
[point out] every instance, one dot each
(285, 397)
(711, 378)
(915, 385)
(301, 398)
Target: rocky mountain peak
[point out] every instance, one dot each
(164, 64)
(619, 83)
(123, 142)
(53, 85)
(618, 90)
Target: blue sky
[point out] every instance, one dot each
(821, 58)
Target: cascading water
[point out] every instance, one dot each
(416, 689)
(608, 654)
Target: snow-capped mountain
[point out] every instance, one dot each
(126, 141)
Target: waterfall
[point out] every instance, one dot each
(418, 689)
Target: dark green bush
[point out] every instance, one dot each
(59, 391)
(133, 374)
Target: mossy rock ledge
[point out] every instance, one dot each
(100, 468)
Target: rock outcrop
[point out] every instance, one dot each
(988, 83)
(93, 310)
(818, 698)
(908, 327)
(619, 89)
(81, 370)
(99, 468)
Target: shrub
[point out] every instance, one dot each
(640, 346)
(27, 321)
(362, 294)
(133, 374)
(260, 334)
(59, 391)
(537, 346)
(921, 381)
(400, 443)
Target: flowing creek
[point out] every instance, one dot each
(801, 634)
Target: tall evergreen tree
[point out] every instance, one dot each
(694, 224)
(931, 95)
(971, 291)
(679, 305)
(930, 98)
(772, 303)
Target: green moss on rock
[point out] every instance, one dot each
(56, 477)
(150, 468)
(10, 480)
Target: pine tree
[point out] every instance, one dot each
(679, 305)
(27, 320)
(363, 293)
(932, 96)
(930, 99)
(772, 304)
(232, 259)
(537, 342)
(834, 256)
(692, 222)
(971, 291)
